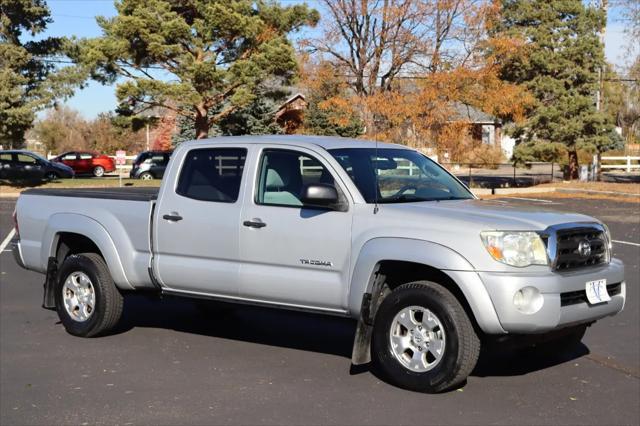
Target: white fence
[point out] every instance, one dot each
(627, 165)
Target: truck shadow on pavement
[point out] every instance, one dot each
(303, 331)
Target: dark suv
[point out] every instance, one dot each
(150, 165)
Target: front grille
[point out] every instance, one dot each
(580, 296)
(568, 241)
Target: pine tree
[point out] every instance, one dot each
(28, 82)
(217, 54)
(559, 66)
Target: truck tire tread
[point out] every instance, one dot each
(109, 297)
(468, 347)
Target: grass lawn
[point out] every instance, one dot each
(10, 188)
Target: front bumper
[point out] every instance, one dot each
(564, 298)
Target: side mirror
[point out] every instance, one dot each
(319, 195)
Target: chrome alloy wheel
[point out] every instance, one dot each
(79, 296)
(417, 338)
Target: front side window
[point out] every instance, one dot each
(398, 175)
(212, 174)
(26, 159)
(86, 156)
(283, 175)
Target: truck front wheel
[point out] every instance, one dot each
(422, 339)
(87, 300)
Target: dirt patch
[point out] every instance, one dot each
(580, 195)
(627, 188)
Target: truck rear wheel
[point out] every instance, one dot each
(87, 300)
(422, 338)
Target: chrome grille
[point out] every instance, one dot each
(580, 247)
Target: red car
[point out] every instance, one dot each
(87, 162)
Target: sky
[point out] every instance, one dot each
(76, 18)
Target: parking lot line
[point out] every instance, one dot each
(5, 242)
(626, 242)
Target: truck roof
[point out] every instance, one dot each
(326, 142)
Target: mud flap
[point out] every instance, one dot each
(361, 353)
(49, 299)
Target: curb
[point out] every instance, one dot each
(591, 191)
(507, 191)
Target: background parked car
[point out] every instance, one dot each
(25, 165)
(87, 162)
(150, 165)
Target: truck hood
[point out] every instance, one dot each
(481, 215)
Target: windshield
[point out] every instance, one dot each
(403, 175)
(141, 157)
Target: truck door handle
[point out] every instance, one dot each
(173, 217)
(255, 223)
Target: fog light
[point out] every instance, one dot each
(528, 300)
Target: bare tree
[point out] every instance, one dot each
(376, 41)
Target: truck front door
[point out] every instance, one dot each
(197, 221)
(292, 254)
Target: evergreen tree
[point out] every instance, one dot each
(318, 121)
(28, 82)
(215, 53)
(560, 66)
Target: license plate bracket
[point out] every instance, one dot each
(597, 292)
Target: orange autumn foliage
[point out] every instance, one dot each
(417, 108)
(163, 133)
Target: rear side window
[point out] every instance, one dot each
(159, 160)
(5, 157)
(212, 174)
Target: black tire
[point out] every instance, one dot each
(98, 171)
(108, 300)
(145, 176)
(51, 176)
(462, 346)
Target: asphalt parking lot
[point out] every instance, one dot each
(168, 364)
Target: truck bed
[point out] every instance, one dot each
(126, 194)
(117, 220)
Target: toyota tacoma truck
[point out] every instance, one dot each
(375, 232)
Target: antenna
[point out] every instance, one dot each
(375, 174)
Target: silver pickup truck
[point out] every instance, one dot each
(375, 232)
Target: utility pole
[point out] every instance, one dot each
(604, 6)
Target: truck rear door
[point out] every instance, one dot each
(197, 219)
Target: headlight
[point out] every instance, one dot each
(515, 248)
(607, 233)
